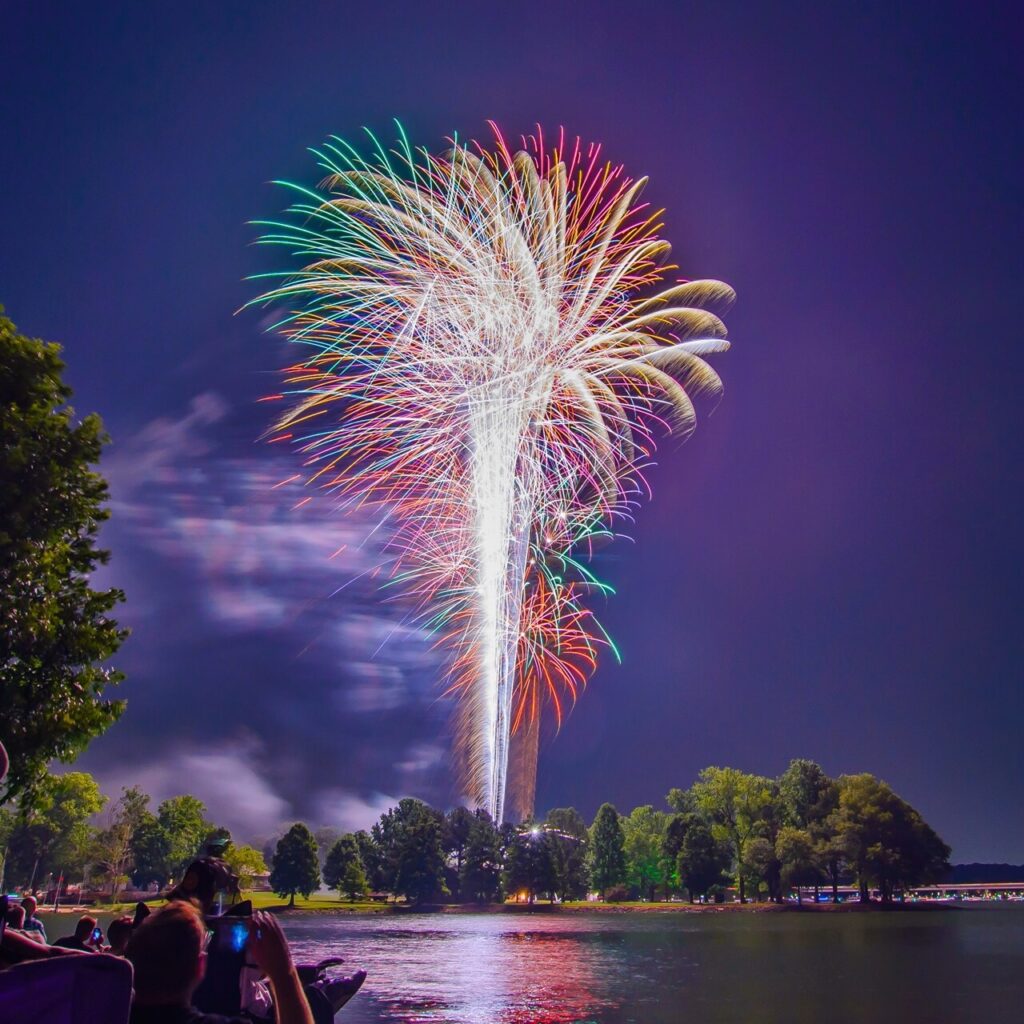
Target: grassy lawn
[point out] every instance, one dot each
(318, 901)
(260, 901)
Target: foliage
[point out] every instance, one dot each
(529, 867)
(295, 867)
(795, 850)
(761, 867)
(607, 849)
(417, 854)
(133, 807)
(480, 880)
(644, 832)
(733, 803)
(387, 836)
(887, 842)
(410, 860)
(183, 819)
(247, 862)
(151, 853)
(567, 839)
(343, 870)
(458, 824)
(55, 630)
(701, 861)
(806, 793)
(372, 859)
(52, 833)
(681, 800)
(353, 882)
(112, 847)
(735, 822)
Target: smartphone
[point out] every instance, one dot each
(97, 934)
(228, 934)
(219, 991)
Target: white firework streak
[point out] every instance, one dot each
(488, 364)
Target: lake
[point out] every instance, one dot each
(942, 966)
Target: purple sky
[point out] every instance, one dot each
(830, 568)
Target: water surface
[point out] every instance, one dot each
(947, 967)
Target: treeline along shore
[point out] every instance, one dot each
(730, 837)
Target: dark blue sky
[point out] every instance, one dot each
(831, 567)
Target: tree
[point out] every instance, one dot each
(528, 864)
(886, 840)
(353, 883)
(760, 864)
(607, 853)
(183, 820)
(151, 853)
(567, 839)
(733, 803)
(643, 834)
(55, 630)
(411, 858)
(372, 860)
(133, 807)
(458, 824)
(247, 862)
(804, 793)
(343, 855)
(480, 881)
(797, 857)
(681, 800)
(830, 849)
(295, 868)
(701, 861)
(53, 833)
(418, 857)
(112, 846)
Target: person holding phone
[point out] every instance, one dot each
(169, 953)
(87, 936)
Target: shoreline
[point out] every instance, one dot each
(341, 909)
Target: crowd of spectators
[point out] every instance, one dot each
(179, 964)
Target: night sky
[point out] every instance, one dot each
(830, 568)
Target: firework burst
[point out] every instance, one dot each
(489, 360)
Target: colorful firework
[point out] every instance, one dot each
(489, 365)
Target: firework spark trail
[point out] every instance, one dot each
(489, 366)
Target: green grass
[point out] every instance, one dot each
(318, 901)
(260, 901)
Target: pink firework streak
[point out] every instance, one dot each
(489, 359)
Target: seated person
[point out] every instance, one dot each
(16, 917)
(119, 931)
(168, 953)
(33, 926)
(83, 939)
(227, 988)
